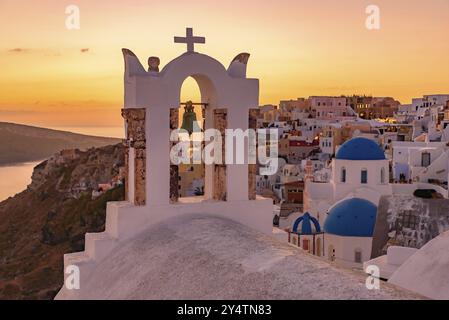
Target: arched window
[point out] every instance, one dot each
(364, 176)
(343, 175)
(382, 175)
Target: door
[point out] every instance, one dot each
(331, 253)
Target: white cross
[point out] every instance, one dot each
(190, 40)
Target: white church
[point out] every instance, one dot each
(346, 207)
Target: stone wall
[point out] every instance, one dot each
(252, 168)
(252, 173)
(126, 173)
(220, 185)
(408, 221)
(174, 169)
(135, 138)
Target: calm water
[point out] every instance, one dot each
(15, 178)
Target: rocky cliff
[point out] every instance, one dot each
(51, 217)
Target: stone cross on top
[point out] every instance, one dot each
(190, 40)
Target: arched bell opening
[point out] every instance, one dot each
(197, 180)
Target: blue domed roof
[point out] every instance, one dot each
(306, 226)
(352, 218)
(360, 149)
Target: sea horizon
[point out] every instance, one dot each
(22, 171)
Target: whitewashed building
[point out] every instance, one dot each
(420, 161)
(347, 205)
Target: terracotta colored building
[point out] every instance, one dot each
(374, 107)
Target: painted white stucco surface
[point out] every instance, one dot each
(389, 263)
(204, 257)
(427, 271)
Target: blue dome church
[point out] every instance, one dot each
(360, 163)
(347, 205)
(352, 218)
(360, 149)
(349, 229)
(306, 234)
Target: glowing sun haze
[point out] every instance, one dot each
(52, 76)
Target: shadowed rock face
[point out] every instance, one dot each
(408, 221)
(42, 223)
(200, 257)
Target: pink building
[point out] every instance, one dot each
(328, 108)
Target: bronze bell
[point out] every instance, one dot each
(189, 120)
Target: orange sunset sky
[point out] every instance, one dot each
(51, 76)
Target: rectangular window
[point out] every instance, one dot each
(425, 160)
(358, 257)
(364, 176)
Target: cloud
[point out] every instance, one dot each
(18, 50)
(45, 51)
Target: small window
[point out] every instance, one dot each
(364, 176)
(358, 256)
(425, 159)
(343, 175)
(382, 176)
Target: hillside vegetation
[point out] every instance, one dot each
(50, 218)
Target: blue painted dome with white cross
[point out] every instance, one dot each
(360, 149)
(352, 218)
(309, 225)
